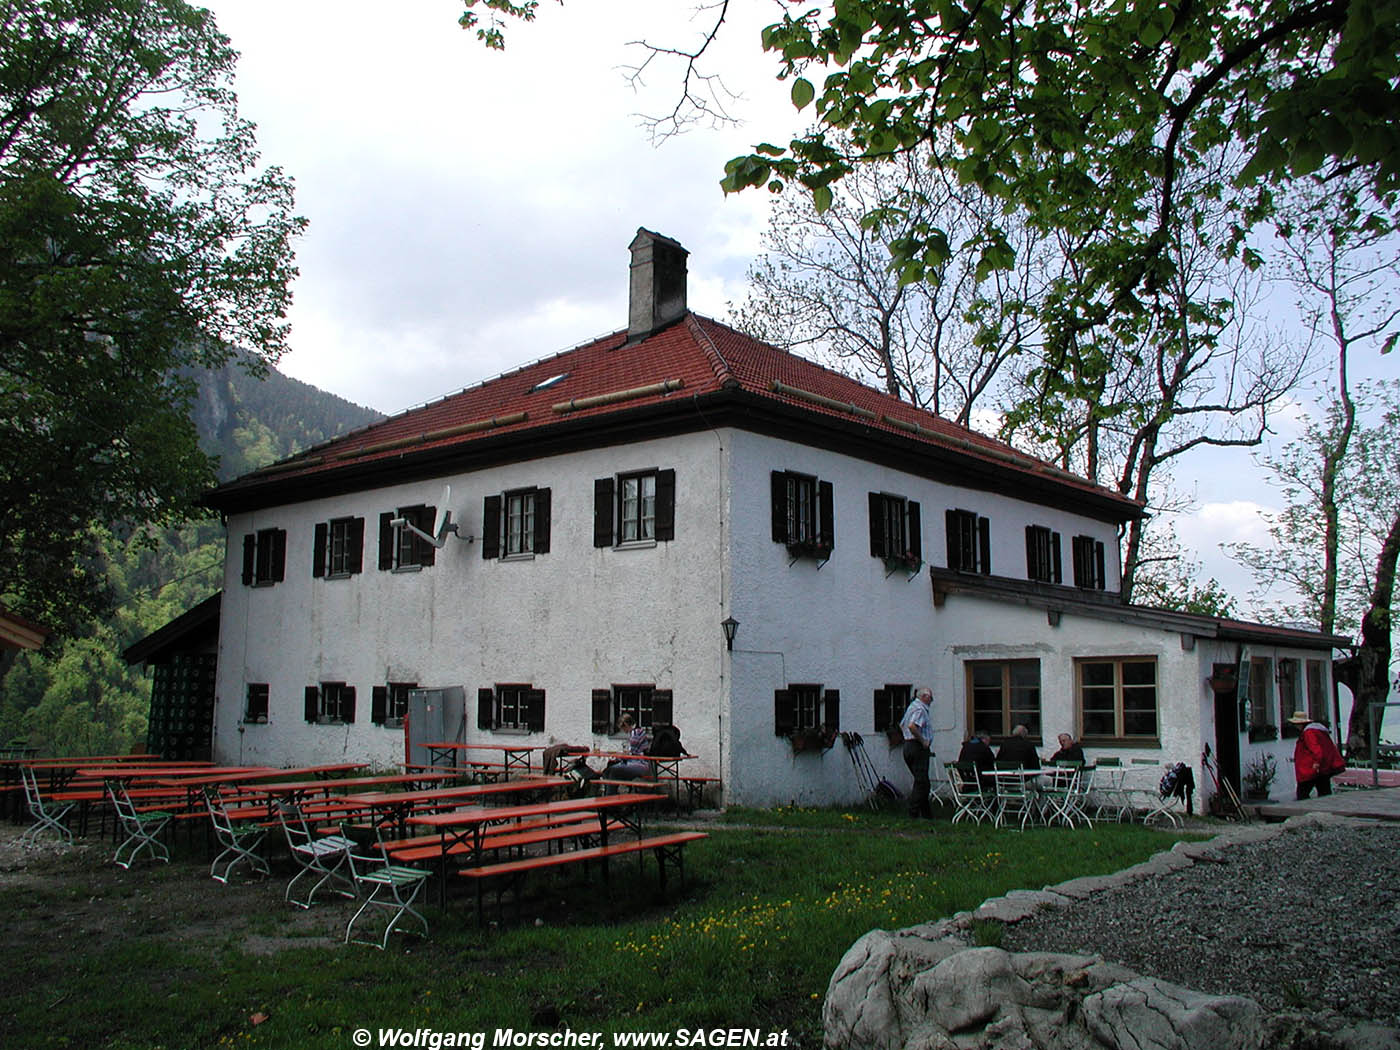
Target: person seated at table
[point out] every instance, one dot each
(1070, 751)
(629, 768)
(977, 749)
(1019, 749)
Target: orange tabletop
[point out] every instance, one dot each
(398, 805)
(465, 825)
(514, 756)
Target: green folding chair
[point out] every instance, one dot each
(48, 816)
(240, 839)
(142, 829)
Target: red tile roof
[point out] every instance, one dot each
(689, 359)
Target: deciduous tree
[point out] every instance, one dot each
(138, 235)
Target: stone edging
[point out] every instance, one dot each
(1021, 904)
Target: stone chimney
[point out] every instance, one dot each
(657, 284)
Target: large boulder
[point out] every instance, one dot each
(907, 991)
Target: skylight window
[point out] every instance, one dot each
(547, 383)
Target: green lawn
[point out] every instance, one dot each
(772, 901)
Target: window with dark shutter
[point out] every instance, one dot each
(969, 542)
(1042, 554)
(802, 509)
(890, 703)
(1088, 563)
(379, 704)
(265, 557)
(400, 549)
(256, 709)
(634, 508)
(896, 529)
(331, 702)
(516, 523)
(338, 548)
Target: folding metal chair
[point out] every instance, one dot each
(240, 839)
(969, 800)
(47, 816)
(1016, 795)
(140, 828)
(387, 886)
(326, 859)
(1065, 794)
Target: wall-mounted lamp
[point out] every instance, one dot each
(731, 628)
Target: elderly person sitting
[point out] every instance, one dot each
(1070, 751)
(1019, 749)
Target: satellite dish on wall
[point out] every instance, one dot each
(444, 514)
(442, 524)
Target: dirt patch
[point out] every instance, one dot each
(74, 894)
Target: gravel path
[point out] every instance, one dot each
(1306, 920)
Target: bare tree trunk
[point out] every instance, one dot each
(1367, 673)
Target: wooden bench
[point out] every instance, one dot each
(630, 785)
(667, 848)
(429, 847)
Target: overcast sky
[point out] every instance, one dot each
(470, 210)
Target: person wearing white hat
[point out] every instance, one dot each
(1316, 759)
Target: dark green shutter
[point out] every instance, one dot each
(662, 707)
(877, 526)
(534, 710)
(1100, 580)
(347, 704)
(485, 709)
(915, 539)
(784, 712)
(1055, 557)
(665, 504)
(491, 527)
(386, 540)
(357, 544)
(542, 521)
(831, 710)
(882, 710)
(602, 711)
(313, 702)
(826, 511)
(250, 554)
(950, 523)
(318, 550)
(379, 704)
(1031, 566)
(984, 545)
(279, 555)
(603, 512)
(778, 492)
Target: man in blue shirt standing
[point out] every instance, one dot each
(918, 749)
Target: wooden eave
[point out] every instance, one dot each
(730, 406)
(1060, 599)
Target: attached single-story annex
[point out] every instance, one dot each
(616, 504)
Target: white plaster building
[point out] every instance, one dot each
(616, 502)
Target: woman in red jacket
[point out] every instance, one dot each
(1316, 759)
